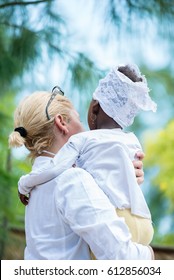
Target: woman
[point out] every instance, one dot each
(70, 213)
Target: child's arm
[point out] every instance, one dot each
(25, 185)
(64, 159)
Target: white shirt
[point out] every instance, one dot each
(69, 212)
(107, 155)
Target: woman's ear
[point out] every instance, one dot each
(61, 124)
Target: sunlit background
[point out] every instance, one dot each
(73, 44)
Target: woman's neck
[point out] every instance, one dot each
(57, 145)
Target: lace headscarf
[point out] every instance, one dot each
(121, 98)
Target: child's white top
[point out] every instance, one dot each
(107, 155)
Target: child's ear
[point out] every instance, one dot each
(61, 124)
(95, 107)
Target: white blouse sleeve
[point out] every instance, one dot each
(23, 187)
(69, 153)
(64, 159)
(89, 213)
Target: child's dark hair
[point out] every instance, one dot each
(131, 73)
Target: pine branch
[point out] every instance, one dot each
(19, 3)
(11, 25)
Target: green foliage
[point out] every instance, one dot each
(16, 53)
(11, 211)
(159, 163)
(23, 29)
(6, 182)
(166, 239)
(123, 16)
(84, 73)
(160, 154)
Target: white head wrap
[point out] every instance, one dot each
(121, 98)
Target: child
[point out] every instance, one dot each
(107, 152)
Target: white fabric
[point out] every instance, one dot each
(107, 155)
(69, 212)
(122, 99)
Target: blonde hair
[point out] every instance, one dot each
(30, 115)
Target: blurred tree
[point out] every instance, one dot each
(159, 158)
(161, 84)
(28, 30)
(124, 16)
(8, 175)
(160, 154)
(24, 25)
(27, 26)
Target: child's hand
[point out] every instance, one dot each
(23, 198)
